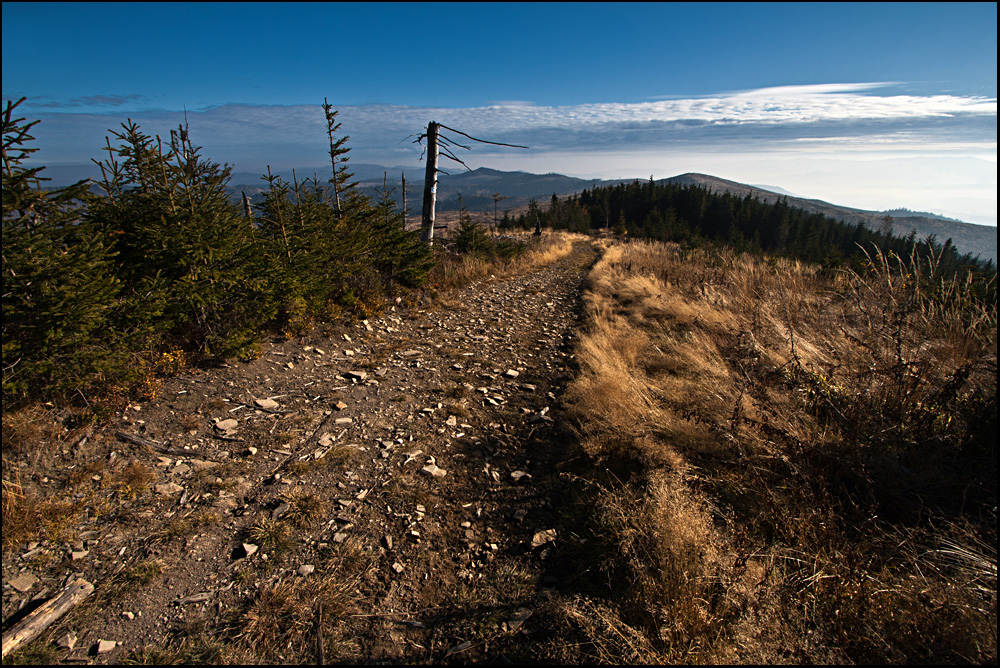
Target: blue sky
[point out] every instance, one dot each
(868, 105)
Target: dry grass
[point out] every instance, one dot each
(275, 536)
(28, 516)
(132, 480)
(454, 271)
(305, 508)
(805, 463)
(278, 624)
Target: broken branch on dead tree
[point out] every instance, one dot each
(482, 141)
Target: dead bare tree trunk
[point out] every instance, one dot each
(247, 207)
(403, 175)
(385, 190)
(430, 184)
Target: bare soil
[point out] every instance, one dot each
(337, 474)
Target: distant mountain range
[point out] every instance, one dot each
(479, 187)
(968, 238)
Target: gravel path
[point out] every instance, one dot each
(418, 460)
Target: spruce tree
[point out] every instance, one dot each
(185, 250)
(57, 283)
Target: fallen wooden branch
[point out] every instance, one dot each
(156, 447)
(40, 619)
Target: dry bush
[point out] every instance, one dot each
(800, 439)
(22, 431)
(131, 480)
(304, 508)
(272, 535)
(279, 623)
(16, 510)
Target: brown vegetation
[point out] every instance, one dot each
(454, 270)
(806, 463)
(791, 466)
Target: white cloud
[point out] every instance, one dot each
(751, 136)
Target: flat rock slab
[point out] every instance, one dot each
(229, 424)
(105, 646)
(23, 582)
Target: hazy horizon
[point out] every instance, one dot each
(839, 102)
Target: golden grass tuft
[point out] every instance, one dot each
(305, 508)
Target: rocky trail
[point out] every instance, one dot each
(398, 489)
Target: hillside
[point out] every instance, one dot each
(477, 187)
(518, 188)
(618, 453)
(968, 238)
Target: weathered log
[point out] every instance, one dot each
(40, 619)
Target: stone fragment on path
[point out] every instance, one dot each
(23, 582)
(227, 426)
(268, 404)
(434, 471)
(67, 641)
(169, 489)
(543, 537)
(305, 569)
(105, 646)
(516, 620)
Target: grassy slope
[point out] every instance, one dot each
(805, 471)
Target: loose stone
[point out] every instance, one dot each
(543, 537)
(434, 471)
(105, 646)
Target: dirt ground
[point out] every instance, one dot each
(404, 489)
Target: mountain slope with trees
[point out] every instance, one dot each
(693, 214)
